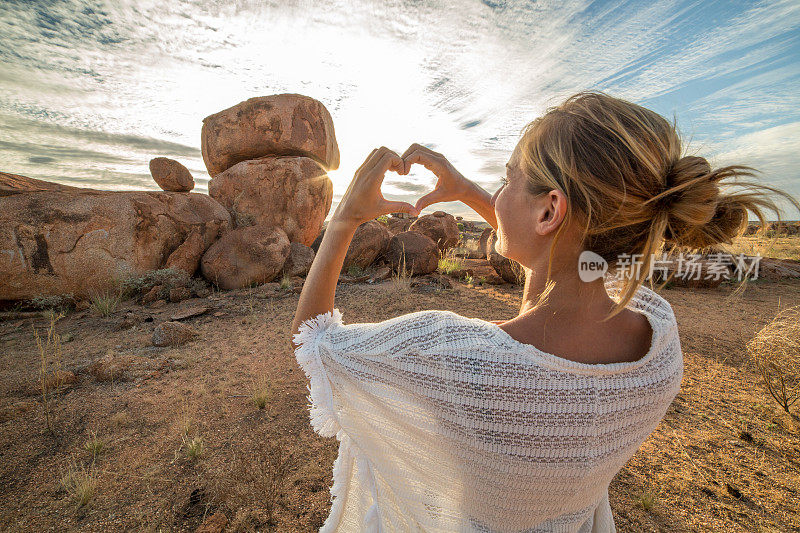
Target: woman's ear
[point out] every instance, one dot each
(551, 211)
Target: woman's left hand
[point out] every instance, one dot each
(363, 199)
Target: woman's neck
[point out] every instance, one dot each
(569, 295)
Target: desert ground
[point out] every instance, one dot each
(214, 433)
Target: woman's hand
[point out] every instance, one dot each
(451, 185)
(363, 199)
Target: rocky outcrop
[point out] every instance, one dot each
(441, 227)
(293, 193)
(246, 256)
(280, 124)
(509, 270)
(397, 225)
(417, 252)
(172, 334)
(170, 175)
(484, 239)
(72, 240)
(186, 257)
(11, 184)
(298, 263)
(370, 241)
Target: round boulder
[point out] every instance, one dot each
(293, 193)
(171, 175)
(244, 256)
(509, 270)
(299, 261)
(370, 241)
(414, 251)
(441, 227)
(279, 124)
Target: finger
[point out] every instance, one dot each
(426, 159)
(389, 206)
(430, 198)
(412, 148)
(389, 160)
(367, 160)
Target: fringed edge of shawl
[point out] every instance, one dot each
(320, 397)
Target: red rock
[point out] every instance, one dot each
(370, 241)
(280, 124)
(81, 240)
(398, 225)
(178, 294)
(441, 227)
(11, 184)
(170, 175)
(509, 270)
(187, 255)
(293, 193)
(298, 263)
(244, 256)
(172, 334)
(419, 253)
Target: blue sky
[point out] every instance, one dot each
(91, 90)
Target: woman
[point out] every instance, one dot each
(449, 423)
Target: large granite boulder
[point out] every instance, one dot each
(299, 261)
(397, 225)
(15, 184)
(370, 241)
(441, 227)
(170, 175)
(293, 193)
(79, 241)
(280, 124)
(416, 251)
(246, 256)
(484, 239)
(509, 270)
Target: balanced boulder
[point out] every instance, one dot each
(170, 175)
(369, 242)
(246, 256)
(293, 193)
(414, 252)
(81, 241)
(280, 124)
(441, 227)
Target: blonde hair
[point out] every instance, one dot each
(629, 183)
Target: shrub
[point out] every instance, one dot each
(60, 302)
(262, 392)
(286, 282)
(775, 351)
(167, 278)
(383, 219)
(355, 271)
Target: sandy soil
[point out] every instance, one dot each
(725, 458)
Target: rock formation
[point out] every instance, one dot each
(170, 175)
(246, 256)
(509, 270)
(418, 252)
(298, 263)
(280, 124)
(441, 227)
(57, 240)
(293, 193)
(370, 241)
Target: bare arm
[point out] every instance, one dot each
(481, 202)
(361, 202)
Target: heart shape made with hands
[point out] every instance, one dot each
(364, 200)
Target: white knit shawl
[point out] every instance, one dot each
(447, 423)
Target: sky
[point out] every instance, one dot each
(90, 91)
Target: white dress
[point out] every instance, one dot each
(447, 423)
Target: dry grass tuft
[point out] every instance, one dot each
(449, 262)
(775, 351)
(106, 302)
(94, 445)
(401, 279)
(194, 446)
(51, 375)
(80, 484)
(262, 392)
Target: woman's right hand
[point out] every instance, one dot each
(451, 185)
